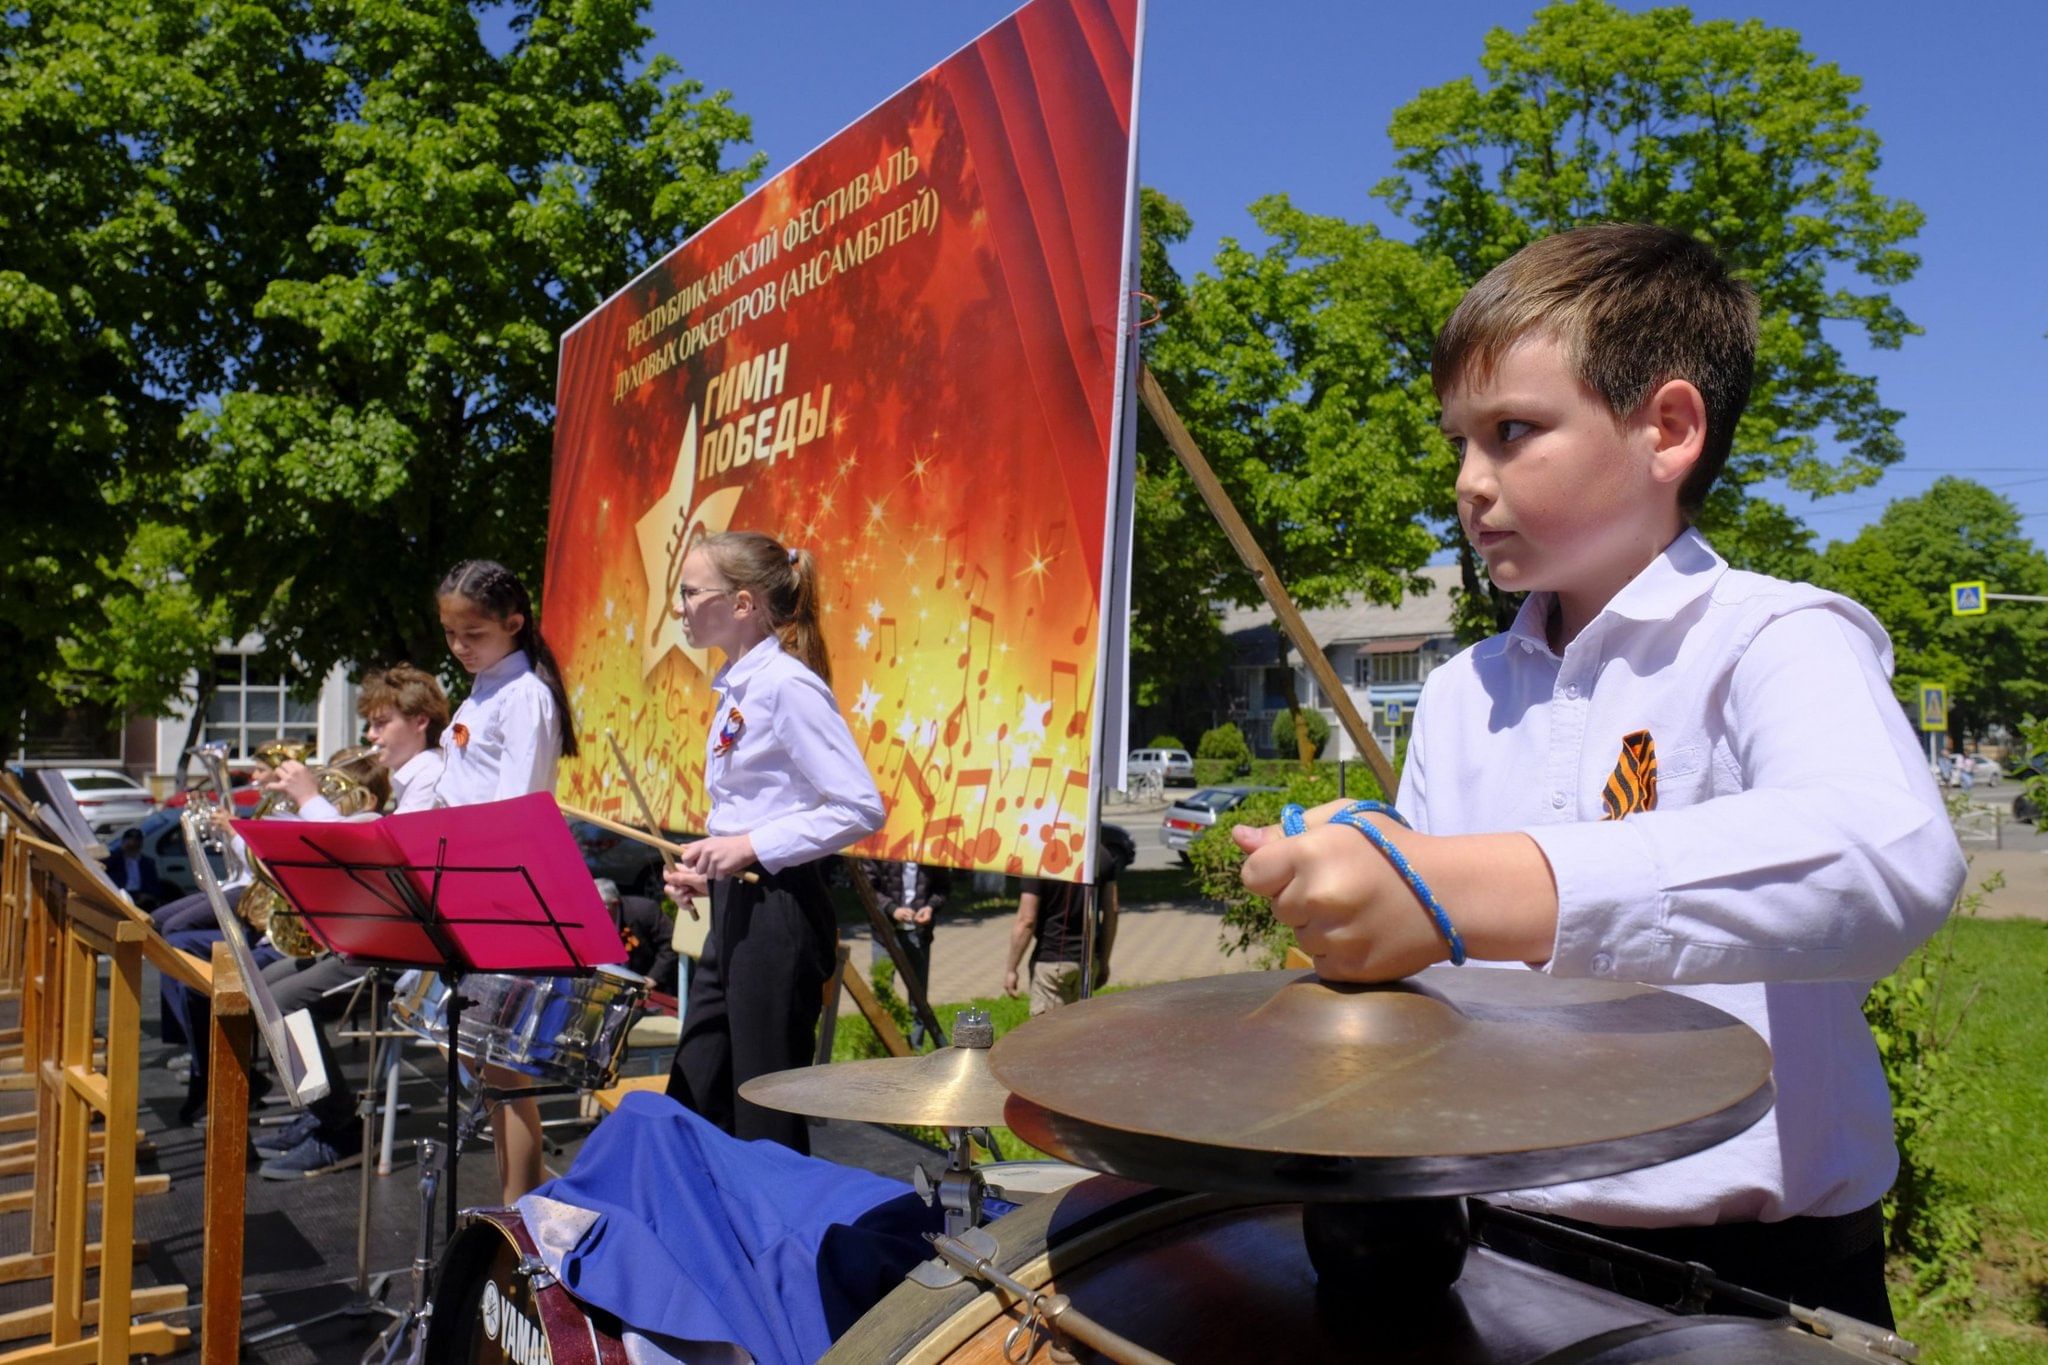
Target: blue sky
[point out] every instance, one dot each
(1244, 100)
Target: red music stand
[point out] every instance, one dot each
(498, 887)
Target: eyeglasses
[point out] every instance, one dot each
(689, 594)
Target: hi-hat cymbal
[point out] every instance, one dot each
(951, 1087)
(1456, 1081)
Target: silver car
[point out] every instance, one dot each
(1189, 818)
(108, 798)
(1176, 767)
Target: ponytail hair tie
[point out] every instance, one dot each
(792, 556)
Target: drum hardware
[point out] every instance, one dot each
(1865, 1340)
(406, 1339)
(368, 1299)
(1047, 1317)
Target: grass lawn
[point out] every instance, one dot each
(1992, 1147)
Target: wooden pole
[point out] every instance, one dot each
(1220, 507)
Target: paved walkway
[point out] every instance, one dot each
(1154, 943)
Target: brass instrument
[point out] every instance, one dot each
(346, 783)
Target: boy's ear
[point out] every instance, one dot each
(1675, 417)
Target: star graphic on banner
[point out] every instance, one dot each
(862, 636)
(908, 729)
(1035, 713)
(868, 701)
(927, 732)
(665, 531)
(875, 610)
(1020, 755)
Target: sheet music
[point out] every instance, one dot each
(66, 819)
(293, 1049)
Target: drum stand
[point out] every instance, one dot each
(368, 1299)
(960, 1188)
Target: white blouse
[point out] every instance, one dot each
(781, 765)
(506, 738)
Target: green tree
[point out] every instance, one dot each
(1731, 131)
(1284, 742)
(1900, 566)
(1301, 371)
(403, 209)
(106, 335)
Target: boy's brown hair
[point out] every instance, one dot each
(1634, 307)
(409, 691)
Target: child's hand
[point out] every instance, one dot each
(681, 883)
(719, 855)
(1350, 911)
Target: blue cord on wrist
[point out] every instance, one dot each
(1293, 821)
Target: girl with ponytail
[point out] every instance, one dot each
(504, 741)
(788, 787)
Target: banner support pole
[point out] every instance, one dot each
(1226, 514)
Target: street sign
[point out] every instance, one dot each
(1933, 709)
(1967, 599)
(1394, 710)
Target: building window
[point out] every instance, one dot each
(252, 704)
(1405, 667)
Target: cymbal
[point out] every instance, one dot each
(1455, 1081)
(951, 1087)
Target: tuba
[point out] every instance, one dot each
(346, 783)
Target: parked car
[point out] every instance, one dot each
(633, 865)
(109, 799)
(2023, 807)
(241, 782)
(1176, 767)
(164, 840)
(1187, 819)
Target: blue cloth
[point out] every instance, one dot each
(702, 1237)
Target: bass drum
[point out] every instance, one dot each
(1201, 1278)
(496, 1304)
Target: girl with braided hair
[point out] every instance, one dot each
(505, 741)
(788, 787)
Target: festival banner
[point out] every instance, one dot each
(908, 353)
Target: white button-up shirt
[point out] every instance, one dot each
(1798, 850)
(514, 737)
(413, 787)
(791, 777)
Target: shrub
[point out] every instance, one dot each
(1248, 923)
(1225, 744)
(1166, 742)
(1929, 1227)
(1283, 732)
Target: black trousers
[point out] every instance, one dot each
(754, 999)
(1833, 1263)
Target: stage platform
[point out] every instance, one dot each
(300, 1255)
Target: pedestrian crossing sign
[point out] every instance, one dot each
(1967, 599)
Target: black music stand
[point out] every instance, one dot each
(499, 887)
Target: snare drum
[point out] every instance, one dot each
(562, 1029)
(1199, 1278)
(495, 1303)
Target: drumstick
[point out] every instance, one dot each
(630, 832)
(668, 859)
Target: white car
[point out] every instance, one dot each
(1176, 767)
(109, 799)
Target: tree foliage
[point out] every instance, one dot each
(1302, 369)
(1730, 131)
(362, 228)
(1995, 666)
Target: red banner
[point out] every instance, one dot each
(905, 354)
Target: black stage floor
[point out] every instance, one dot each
(299, 1257)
